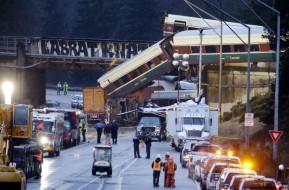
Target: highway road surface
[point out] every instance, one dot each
(72, 169)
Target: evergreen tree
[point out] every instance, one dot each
(55, 19)
(19, 18)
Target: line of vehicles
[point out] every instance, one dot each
(24, 131)
(213, 168)
(190, 127)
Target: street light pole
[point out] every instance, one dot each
(200, 63)
(180, 62)
(276, 106)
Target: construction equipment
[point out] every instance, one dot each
(17, 148)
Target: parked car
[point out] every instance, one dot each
(235, 181)
(52, 104)
(215, 172)
(202, 170)
(228, 173)
(258, 182)
(77, 101)
(197, 151)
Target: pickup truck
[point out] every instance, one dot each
(151, 126)
(202, 169)
(199, 151)
(187, 146)
(215, 172)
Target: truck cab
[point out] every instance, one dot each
(193, 126)
(150, 126)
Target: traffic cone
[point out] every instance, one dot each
(142, 144)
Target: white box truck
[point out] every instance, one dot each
(191, 120)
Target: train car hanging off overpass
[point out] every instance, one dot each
(155, 61)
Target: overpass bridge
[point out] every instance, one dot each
(24, 60)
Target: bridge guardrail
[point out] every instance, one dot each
(8, 44)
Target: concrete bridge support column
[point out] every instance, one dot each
(30, 83)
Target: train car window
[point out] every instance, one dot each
(134, 74)
(210, 49)
(179, 26)
(125, 78)
(255, 47)
(195, 49)
(239, 48)
(143, 68)
(117, 83)
(226, 48)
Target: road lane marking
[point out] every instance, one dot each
(112, 169)
(122, 171)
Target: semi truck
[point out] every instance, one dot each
(188, 120)
(191, 120)
(94, 103)
(16, 163)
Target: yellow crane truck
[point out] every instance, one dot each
(17, 148)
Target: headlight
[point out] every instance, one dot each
(139, 128)
(44, 140)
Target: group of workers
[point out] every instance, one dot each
(64, 87)
(169, 168)
(136, 143)
(110, 131)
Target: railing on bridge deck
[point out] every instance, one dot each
(8, 44)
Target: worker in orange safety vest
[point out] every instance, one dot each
(156, 166)
(167, 156)
(170, 168)
(38, 155)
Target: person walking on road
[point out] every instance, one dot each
(148, 142)
(65, 88)
(107, 132)
(167, 156)
(82, 129)
(58, 88)
(156, 166)
(99, 128)
(136, 142)
(114, 130)
(170, 168)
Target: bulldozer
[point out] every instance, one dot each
(17, 147)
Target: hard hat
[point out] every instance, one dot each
(158, 156)
(167, 153)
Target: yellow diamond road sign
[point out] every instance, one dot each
(249, 119)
